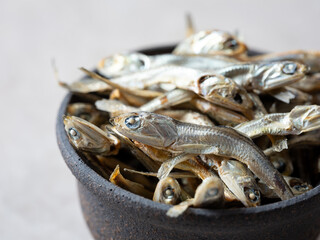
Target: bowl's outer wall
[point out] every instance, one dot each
(114, 213)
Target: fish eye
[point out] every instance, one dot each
(204, 78)
(238, 98)
(252, 194)
(289, 68)
(212, 192)
(297, 185)
(294, 182)
(280, 165)
(141, 63)
(133, 122)
(73, 133)
(168, 193)
(231, 44)
(301, 187)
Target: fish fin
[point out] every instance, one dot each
(168, 165)
(190, 30)
(283, 95)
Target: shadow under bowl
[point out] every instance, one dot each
(114, 213)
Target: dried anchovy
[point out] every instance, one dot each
(206, 86)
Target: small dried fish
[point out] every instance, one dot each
(300, 119)
(193, 118)
(87, 137)
(165, 133)
(240, 181)
(123, 63)
(265, 76)
(309, 58)
(213, 42)
(208, 194)
(297, 186)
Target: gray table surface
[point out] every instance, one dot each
(38, 197)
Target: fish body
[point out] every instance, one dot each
(265, 76)
(299, 120)
(166, 133)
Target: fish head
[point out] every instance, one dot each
(272, 75)
(87, 112)
(146, 127)
(82, 110)
(167, 191)
(121, 64)
(253, 197)
(215, 42)
(305, 118)
(209, 192)
(87, 137)
(241, 182)
(297, 185)
(224, 92)
(230, 45)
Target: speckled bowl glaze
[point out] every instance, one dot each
(114, 213)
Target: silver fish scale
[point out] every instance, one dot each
(251, 128)
(226, 143)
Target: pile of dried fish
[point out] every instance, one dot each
(205, 126)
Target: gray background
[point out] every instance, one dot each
(38, 198)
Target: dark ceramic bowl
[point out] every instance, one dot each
(114, 213)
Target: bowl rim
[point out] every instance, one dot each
(92, 180)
